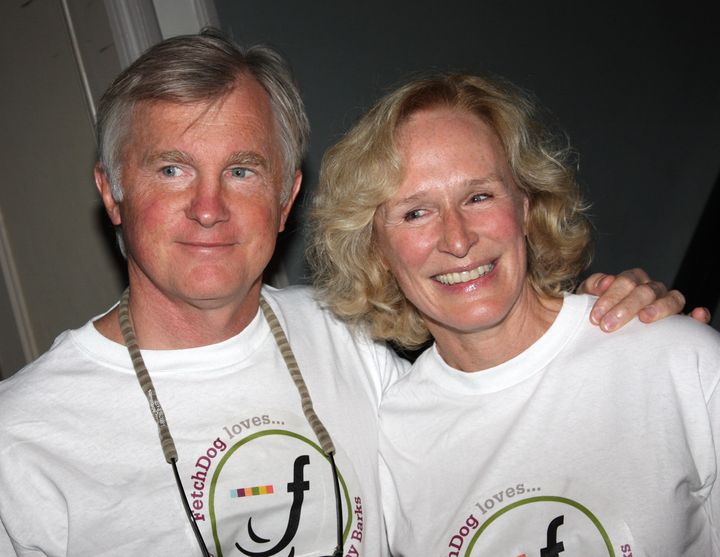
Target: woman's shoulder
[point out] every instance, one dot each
(675, 329)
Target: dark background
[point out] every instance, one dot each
(635, 86)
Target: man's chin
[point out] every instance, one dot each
(209, 296)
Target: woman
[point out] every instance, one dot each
(449, 212)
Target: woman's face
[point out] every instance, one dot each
(453, 234)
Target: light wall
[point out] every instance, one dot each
(54, 226)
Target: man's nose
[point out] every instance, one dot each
(456, 234)
(208, 205)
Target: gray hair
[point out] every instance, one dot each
(197, 68)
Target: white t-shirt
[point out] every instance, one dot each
(585, 444)
(82, 471)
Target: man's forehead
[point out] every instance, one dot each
(244, 113)
(246, 93)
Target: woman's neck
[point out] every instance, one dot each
(529, 318)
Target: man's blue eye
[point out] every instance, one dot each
(479, 197)
(240, 172)
(170, 171)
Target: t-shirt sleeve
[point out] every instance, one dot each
(392, 368)
(32, 510)
(6, 547)
(713, 404)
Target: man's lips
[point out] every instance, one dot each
(464, 276)
(206, 245)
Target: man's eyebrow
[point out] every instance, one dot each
(250, 158)
(179, 157)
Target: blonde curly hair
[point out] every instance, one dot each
(362, 171)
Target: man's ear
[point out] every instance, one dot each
(285, 209)
(102, 182)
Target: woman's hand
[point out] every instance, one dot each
(631, 293)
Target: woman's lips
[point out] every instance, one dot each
(464, 276)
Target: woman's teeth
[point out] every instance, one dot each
(465, 276)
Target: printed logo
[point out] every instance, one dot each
(286, 505)
(298, 486)
(544, 526)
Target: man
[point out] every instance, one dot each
(200, 150)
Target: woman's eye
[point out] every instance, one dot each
(478, 197)
(414, 214)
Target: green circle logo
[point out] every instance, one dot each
(518, 514)
(266, 446)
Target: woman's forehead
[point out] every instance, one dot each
(437, 138)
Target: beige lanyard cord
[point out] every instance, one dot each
(282, 342)
(146, 384)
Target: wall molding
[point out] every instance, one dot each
(134, 27)
(20, 313)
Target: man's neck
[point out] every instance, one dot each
(163, 323)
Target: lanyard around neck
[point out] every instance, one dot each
(146, 384)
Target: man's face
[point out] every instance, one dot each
(201, 208)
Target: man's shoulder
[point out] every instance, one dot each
(307, 321)
(296, 295)
(39, 364)
(43, 375)
(25, 391)
(299, 306)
